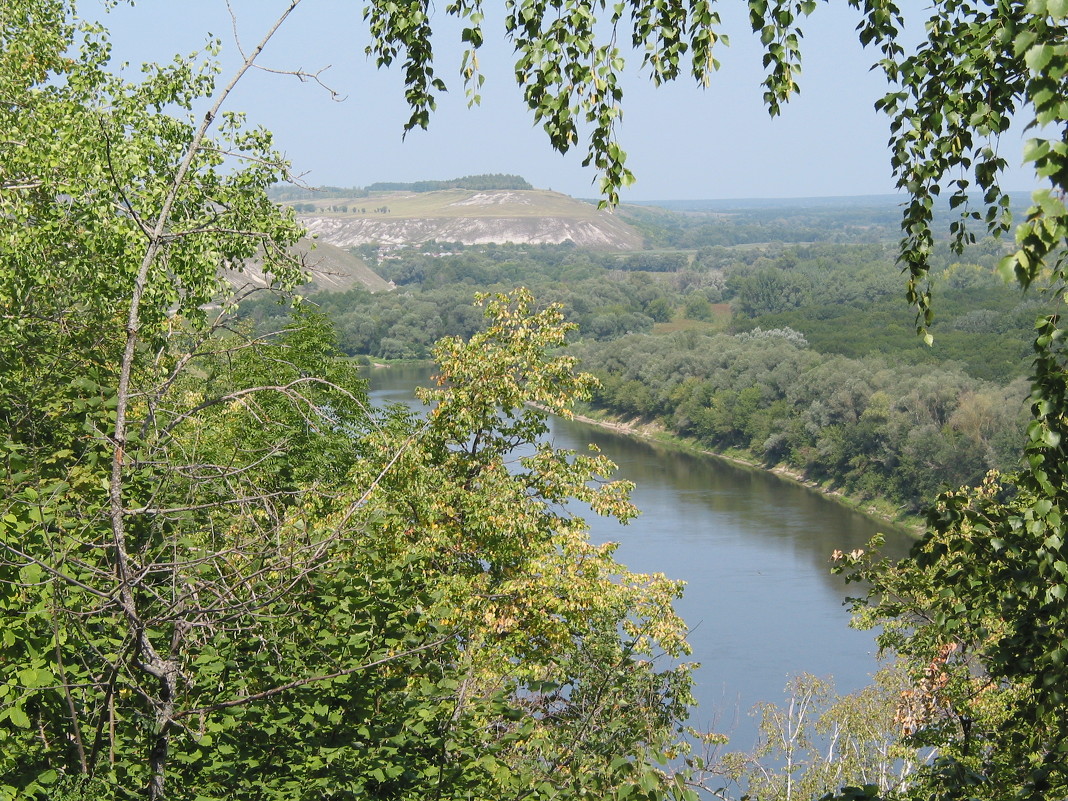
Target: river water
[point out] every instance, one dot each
(753, 549)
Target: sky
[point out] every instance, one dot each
(683, 142)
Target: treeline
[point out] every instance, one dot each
(480, 182)
(708, 223)
(730, 225)
(868, 426)
(281, 193)
(434, 296)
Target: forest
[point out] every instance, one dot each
(786, 354)
(224, 575)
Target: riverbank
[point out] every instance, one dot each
(875, 509)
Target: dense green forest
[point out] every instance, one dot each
(845, 299)
(800, 355)
(224, 576)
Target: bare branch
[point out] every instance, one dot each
(173, 510)
(299, 73)
(304, 77)
(285, 389)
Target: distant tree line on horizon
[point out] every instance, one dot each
(281, 193)
(287, 192)
(478, 182)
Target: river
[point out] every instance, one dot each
(753, 549)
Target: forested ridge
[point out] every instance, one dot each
(479, 182)
(287, 192)
(224, 575)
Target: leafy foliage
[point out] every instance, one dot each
(220, 575)
(569, 63)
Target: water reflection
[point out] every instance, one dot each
(753, 549)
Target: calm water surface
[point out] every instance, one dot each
(754, 552)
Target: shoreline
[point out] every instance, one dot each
(653, 432)
(656, 433)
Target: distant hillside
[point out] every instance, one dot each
(467, 216)
(330, 267)
(694, 224)
(282, 193)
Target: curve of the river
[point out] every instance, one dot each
(753, 549)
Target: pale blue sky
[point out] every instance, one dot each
(682, 142)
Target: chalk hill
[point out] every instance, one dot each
(472, 217)
(328, 266)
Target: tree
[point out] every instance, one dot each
(118, 526)
(984, 590)
(123, 515)
(819, 741)
(994, 558)
(202, 594)
(540, 609)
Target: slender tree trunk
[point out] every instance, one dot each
(161, 743)
(148, 658)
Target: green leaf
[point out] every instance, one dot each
(35, 677)
(1038, 57)
(18, 717)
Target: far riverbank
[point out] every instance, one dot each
(875, 509)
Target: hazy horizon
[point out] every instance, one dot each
(683, 142)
